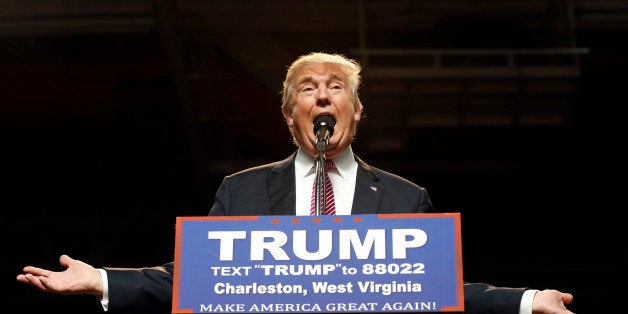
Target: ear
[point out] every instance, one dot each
(289, 119)
(357, 113)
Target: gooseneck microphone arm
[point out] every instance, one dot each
(323, 128)
(319, 198)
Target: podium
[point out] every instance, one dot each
(344, 263)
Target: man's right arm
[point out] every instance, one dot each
(147, 289)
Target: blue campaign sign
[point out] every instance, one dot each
(344, 263)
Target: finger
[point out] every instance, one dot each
(45, 284)
(36, 271)
(22, 278)
(65, 260)
(35, 281)
(567, 298)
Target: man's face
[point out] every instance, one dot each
(322, 90)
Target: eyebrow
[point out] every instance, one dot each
(331, 77)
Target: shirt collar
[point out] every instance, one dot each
(304, 163)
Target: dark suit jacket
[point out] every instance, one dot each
(270, 190)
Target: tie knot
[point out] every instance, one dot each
(329, 164)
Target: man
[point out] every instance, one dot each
(316, 85)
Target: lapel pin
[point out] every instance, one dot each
(374, 188)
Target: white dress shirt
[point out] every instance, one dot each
(342, 180)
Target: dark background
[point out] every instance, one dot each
(118, 116)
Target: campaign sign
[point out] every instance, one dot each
(330, 264)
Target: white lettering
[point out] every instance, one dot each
(226, 242)
(401, 244)
(350, 239)
(258, 245)
(324, 245)
(349, 242)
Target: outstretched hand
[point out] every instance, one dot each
(551, 301)
(78, 278)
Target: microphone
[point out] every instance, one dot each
(323, 128)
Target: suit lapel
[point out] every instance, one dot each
(368, 191)
(281, 188)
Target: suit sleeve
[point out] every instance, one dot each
(221, 200)
(487, 299)
(140, 290)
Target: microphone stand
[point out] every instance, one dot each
(323, 128)
(321, 189)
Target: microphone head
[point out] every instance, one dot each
(325, 121)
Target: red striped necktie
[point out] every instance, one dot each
(330, 204)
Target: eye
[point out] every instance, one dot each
(307, 90)
(336, 87)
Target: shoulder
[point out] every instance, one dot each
(395, 180)
(264, 169)
(387, 178)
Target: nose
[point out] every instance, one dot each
(322, 97)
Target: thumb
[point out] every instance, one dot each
(567, 298)
(65, 260)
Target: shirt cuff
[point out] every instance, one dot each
(105, 289)
(526, 301)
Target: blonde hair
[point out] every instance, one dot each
(350, 67)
